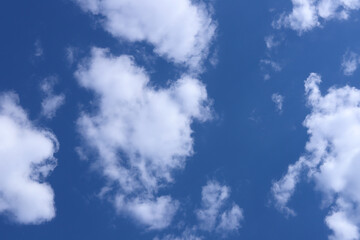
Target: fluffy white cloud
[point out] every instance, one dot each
(211, 215)
(141, 133)
(51, 102)
(180, 30)
(332, 158)
(350, 63)
(308, 14)
(26, 158)
(278, 100)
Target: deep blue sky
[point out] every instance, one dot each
(247, 146)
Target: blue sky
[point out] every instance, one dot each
(179, 120)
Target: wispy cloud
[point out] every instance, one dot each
(331, 159)
(350, 63)
(51, 102)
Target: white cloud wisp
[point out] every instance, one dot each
(51, 102)
(278, 100)
(350, 63)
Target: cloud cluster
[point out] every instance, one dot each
(216, 215)
(51, 102)
(141, 133)
(180, 30)
(26, 159)
(211, 215)
(332, 159)
(308, 14)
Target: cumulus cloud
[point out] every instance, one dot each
(350, 63)
(278, 100)
(51, 102)
(211, 215)
(332, 159)
(141, 133)
(26, 159)
(180, 30)
(308, 14)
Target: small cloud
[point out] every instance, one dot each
(278, 100)
(267, 76)
(350, 62)
(309, 14)
(70, 54)
(51, 102)
(212, 216)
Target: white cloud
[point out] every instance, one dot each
(216, 216)
(308, 14)
(213, 198)
(180, 30)
(278, 100)
(332, 158)
(350, 63)
(230, 220)
(154, 213)
(141, 133)
(26, 159)
(52, 102)
(211, 215)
